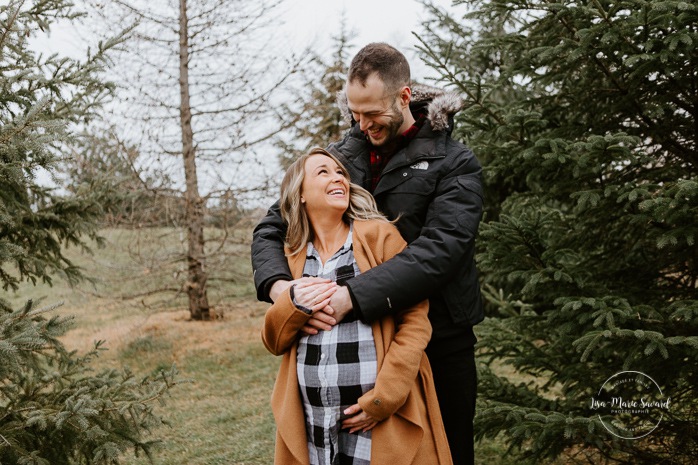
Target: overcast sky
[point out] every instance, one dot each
(391, 21)
(316, 22)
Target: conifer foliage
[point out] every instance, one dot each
(314, 118)
(53, 409)
(40, 96)
(584, 115)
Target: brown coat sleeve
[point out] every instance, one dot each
(281, 324)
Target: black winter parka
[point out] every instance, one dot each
(434, 186)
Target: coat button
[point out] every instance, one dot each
(404, 174)
(377, 401)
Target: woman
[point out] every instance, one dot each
(359, 393)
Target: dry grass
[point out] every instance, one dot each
(221, 416)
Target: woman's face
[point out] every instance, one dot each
(325, 186)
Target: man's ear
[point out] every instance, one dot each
(405, 96)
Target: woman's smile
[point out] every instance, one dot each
(325, 184)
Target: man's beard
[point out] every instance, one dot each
(392, 129)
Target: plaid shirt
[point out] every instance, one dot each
(334, 369)
(380, 160)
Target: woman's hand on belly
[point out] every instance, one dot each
(358, 419)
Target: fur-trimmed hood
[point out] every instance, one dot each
(441, 105)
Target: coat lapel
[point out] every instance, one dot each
(286, 401)
(288, 410)
(403, 437)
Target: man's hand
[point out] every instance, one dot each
(341, 303)
(326, 318)
(280, 286)
(358, 420)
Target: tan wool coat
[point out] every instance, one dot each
(404, 399)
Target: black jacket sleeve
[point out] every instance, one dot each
(447, 241)
(269, 262)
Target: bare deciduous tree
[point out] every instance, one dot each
(201, 83)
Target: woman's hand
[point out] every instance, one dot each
(314, 295)
(359, 420)
(281, 285)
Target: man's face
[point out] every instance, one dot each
(379, 116)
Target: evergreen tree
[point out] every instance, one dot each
(39, 97)
(53, 411)
(584, 115)
(316, 119)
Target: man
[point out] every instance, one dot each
(400, 149)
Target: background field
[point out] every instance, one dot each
(222, 414)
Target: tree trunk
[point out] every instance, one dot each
(196, 284)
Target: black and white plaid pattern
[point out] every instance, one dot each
(334, 369)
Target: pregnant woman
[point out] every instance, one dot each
(358, 394)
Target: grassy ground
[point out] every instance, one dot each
(222, 416)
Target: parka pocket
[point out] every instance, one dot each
(404, 182)
(469, 208)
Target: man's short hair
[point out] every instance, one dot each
(390, 65)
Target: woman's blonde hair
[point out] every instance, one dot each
(299, 231)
